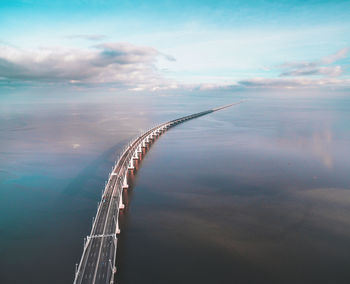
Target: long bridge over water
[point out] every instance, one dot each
(98, 262)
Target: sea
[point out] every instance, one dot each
(255, 193)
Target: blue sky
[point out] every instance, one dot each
(174, 44)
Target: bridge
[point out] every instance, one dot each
(98, 262)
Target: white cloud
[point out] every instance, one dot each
(91, 37)
(133, 67)
(333, 71)
(120, 64)
(340, 54)
(293, 82)
(315, 68)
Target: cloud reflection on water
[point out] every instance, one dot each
(319, 143)
(249, 195)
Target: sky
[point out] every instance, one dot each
(160, 45)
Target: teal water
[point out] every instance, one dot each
(258, 193)
(55, 157)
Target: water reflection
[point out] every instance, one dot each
(319, 144)
(249, 195)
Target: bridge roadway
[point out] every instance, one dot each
(97, 264)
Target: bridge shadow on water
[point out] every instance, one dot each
(72, 212)
(92, 173)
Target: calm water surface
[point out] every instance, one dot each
(258, 193)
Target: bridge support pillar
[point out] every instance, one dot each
(136, 155)
(121, 204)
(117, 229)
(125, 182)
(131, 164)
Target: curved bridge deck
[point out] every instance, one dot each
(97, 264)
